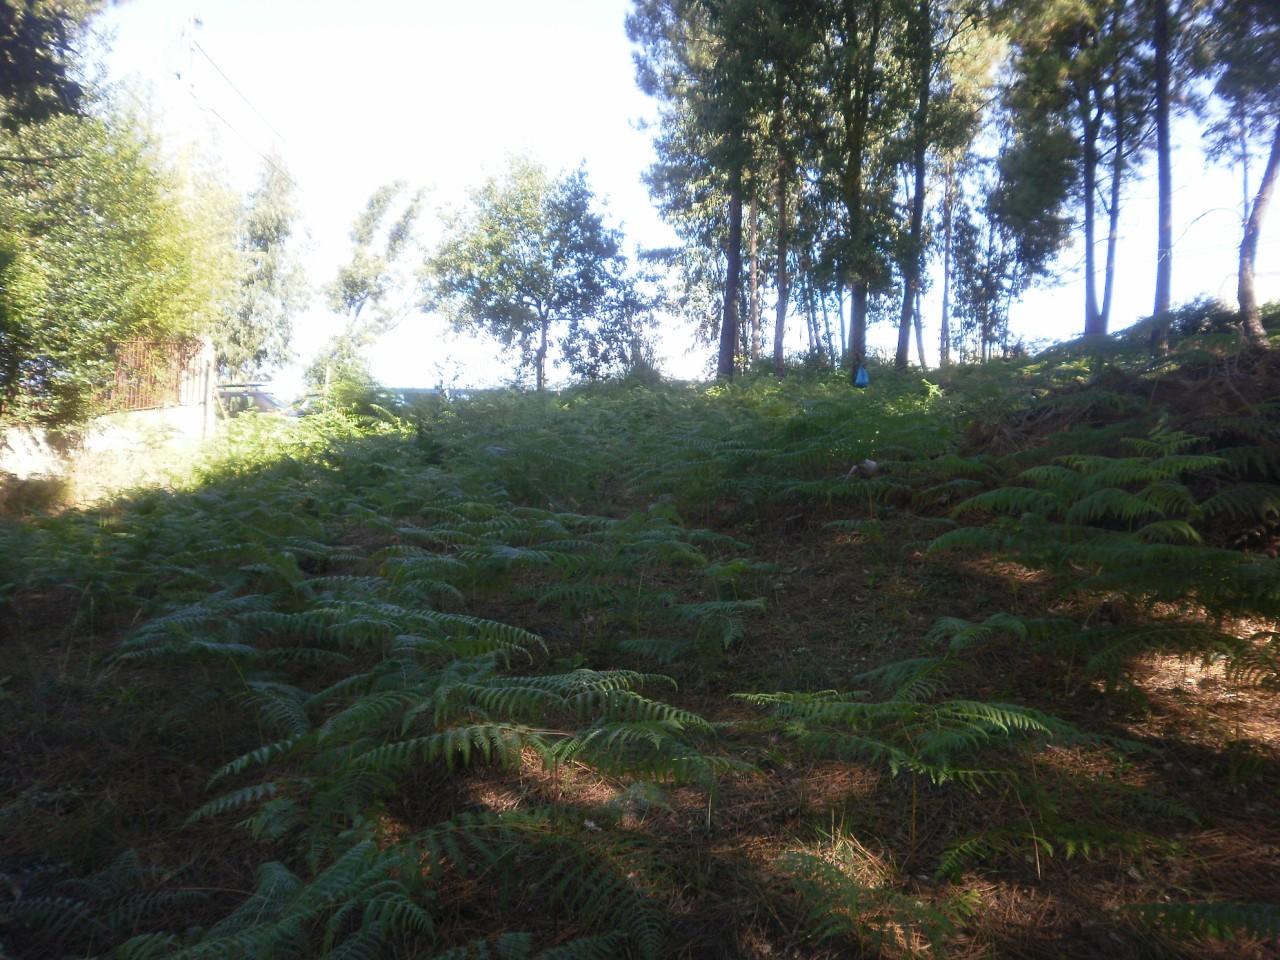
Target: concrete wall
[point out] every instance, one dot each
(119, 450)
(109, 454)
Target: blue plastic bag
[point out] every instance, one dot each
(862, 380)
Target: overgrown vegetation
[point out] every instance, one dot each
(777, 668)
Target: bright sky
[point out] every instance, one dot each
(438, 94)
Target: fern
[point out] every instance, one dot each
(937, 741)
(875, 917)
(1221, 921)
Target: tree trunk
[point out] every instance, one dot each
(754, 285)
(858, 325)
(919, 325)
(1242, 135)
(780, 323)
(1250, 315)
(844, 343)
(1164, 184)
(1113, 213)
(857, 115)
(540, 356)
(811, 319)
(944, 338)
(915, 243)
(829, 350)
(1093, 326)
(725, 364)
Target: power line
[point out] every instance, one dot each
(193, 44)
(266, 158)
(222, 73)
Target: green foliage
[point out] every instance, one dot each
(530, 254)
(369, 292)
(156, 266)
(363, 671)
(940, 741)
(403, 645)
(877, 916)
(1148, 527)
(255, 334)
(38, 44)
(1222, 921)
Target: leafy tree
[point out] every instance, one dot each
(965, 83)
(701, 61)
(340, 372)
(935, 34)
(1081, 76)
(37, 61)
(529, 254)
(1003, 241)
(1244, 40)
(95, 249)
(254, 336)
(861, 96)
(370, 291)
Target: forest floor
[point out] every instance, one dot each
(1155, 786)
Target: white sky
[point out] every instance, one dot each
(439, 93)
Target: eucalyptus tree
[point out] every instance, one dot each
(371, 292)
(1244, 42)
(255, 335)
(941, 117)
(1176, 39)
(862, 94)
(696, 58)
(689, 194)
(782, 44)
(528, 254)
(965, 85)
(1008, 226)
(986, 271)
(1164, 174)
(1079, 67)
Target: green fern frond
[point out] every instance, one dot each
(281, 706)
(1244, 502)
(507, 946)
(876, 917)
(258, 757)
(456, 747)
(1164, 442)
(1168, 531)
(604, 947)
(664, 650)
(961, 634)
(1171, 499)
(626, 705)
(945, 493)
(148, 946)
(1219, 921)
(504, 697)
(1257, 461)
(912, 680)
(235, 800)
(1257, 663)
(976, 539)
(1111, 503)
(1008, 500)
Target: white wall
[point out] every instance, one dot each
(111, 453)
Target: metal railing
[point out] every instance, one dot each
(159, 373)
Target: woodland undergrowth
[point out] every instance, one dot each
(492, 678)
